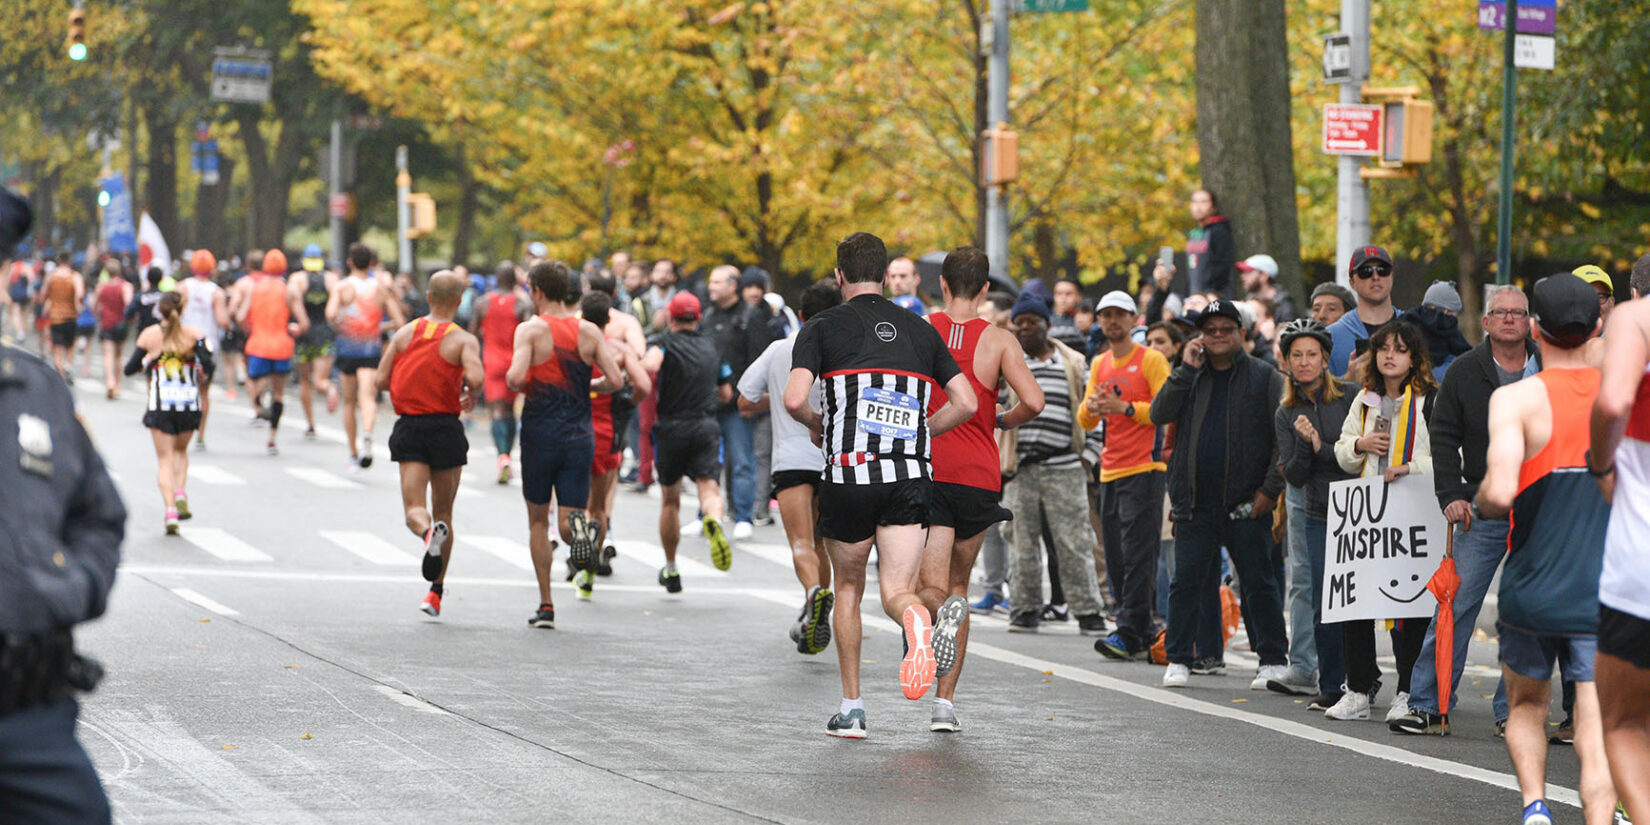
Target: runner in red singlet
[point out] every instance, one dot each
(113, 296)
(495, 319)
(967, 492)
(596, 307)
(431, 369)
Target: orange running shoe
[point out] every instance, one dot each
(432, 603)
(916, 669)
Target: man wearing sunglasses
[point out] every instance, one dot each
(1372, 281)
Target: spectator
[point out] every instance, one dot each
(1372, 280)
(1123, 380)
(1436, 317)
(1210, 251)
(1260, 281)
(655, 299)
(1330, 301)
(753, 290)
(1460, 438)
(1093, 339)
(902, 284)
(740, 332)
(1063, 322)
(1220, 494)
(1603, 284)
(1164, 302)
(1640, 282)
(1048, 480)
(997, 309)
(1395, 397)
(1314, 404)
(619, 264)
(634, 285)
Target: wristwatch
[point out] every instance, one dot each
(1129, 410)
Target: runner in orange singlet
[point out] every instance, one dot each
(268, 317)
(431, 368)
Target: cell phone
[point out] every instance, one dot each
(1360, 346)
(1165, 256)
(1383, 424)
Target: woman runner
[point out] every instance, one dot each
(175, 357)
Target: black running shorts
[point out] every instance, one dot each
(348, 365)
(436, 440)
(852, 512)
(689, 447)
(172, 422)
(966, 510)
(63, 334)
(1624, 636)
(786, 479)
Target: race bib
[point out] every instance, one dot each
(176, 394)
(889, 414)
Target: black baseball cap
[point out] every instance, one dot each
(1220, 309)
(1566, 309)
(1365, 254)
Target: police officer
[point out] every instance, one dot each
(61, 524)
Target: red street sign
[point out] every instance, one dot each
(1352, 129)
(338, 205)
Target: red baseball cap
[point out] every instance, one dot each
(275, 262)
(683, 306)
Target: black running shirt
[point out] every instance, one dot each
(878, 364)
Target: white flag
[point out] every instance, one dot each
(152, 249)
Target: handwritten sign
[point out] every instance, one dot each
(1384, 542)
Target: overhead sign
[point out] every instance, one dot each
(1352, 129)
(1384, 543)
(241, 77)
(1534, 16)
(1532, 51)
(1050, 5)
(1337, 57)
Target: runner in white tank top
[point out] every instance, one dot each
(200, 308)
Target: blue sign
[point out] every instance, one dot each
(203, 156)
(119, 231)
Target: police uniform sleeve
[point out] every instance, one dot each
(93, 528)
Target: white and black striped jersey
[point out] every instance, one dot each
(878, 365)
(173, 385)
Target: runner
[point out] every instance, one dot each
(439, 369)
(205, 308)
(176, 358)
(879, 365)
(233, 347)
(623, 329)
(607, 423)
(552, 362)
(1620, 459)
(496, 319)
(797, 467)
(317, 349)
(691, 381)
(1550, 584)
(966, 498)
(267, 312)
(144, 311)
(356, 310)
(62, 294)
(113, 296)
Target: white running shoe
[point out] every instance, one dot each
(1399, 709)
(1352, 706)
(1269, 673)
(1176, 676)
(742, 530)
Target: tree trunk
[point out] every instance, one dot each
(982, 122)
(1243, 134)
(161, 189)
(469, 194)
(270, 179)
(211, 207)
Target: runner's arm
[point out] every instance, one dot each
(469, 355)
(478, 311)
(1505, 455)
(753, 385)
(220, 307)
(1626, 352)
(796, 398)
(641, 384)
(243, 303)
(653, 360)
(392, 306)
(1019, 379)
(960, 408)
(522, 359)
(295, 306)
(592, 341)
(386, 362)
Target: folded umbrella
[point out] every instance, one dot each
(1443, 585)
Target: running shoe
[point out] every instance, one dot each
(432, 603)
(1294, 683)
(1176, 676)
(1399, 707)
(851, 726)
(581, 541)
(916, 668)
(1023, 623)
(309, 434)
(1620, 817)
(1091, 625)
(545, 617)
(434, 539)
(670, 579)
(171, 522)
(989, 603)
(366, 452)
(944, 719)
(948, 622)
(763, 520)
(721, 555)
(742, 530)
(604, 567)
(1564, 733)
(1353, 705)
(798, 628)
(1209, 666)
(1055, 613)
(1116, 647)
(229, 394)
(1419, 723)
(271, 448)
(200, 445)
(1323, 702)
(820, 602)
(504, 469)
(182, 505)
(1536, 813)
(585, 584)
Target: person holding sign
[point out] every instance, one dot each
(1385, 434)
(1549, 605)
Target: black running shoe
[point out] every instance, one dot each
(433, 541)
(581, 541)
(1025, 622)
(1420, 723)
(851, 726)
(948, 622)
(544, 618)
(671, 580)
(1091, 625)
(1209, 666)
(605, 566)
(1323, 702)
(820, 602)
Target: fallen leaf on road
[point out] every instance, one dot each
(1239, 701)
(230, 747)
(204, 621)
(289, 667)
(1048, 673)
(305, 736)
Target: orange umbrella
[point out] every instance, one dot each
(1443, 584)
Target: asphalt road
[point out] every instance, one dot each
(270, 665)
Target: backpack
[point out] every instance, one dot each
(1231, 615)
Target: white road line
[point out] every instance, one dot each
(653, 556)
(408, 700)
(322, 478)
(510, 552)
(209, 474)
(775, 553)
(195, 598)
(370, 547)
(220, 543)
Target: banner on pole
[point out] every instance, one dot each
(119, 233)
(1384, 542)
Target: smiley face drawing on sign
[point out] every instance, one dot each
(1394, 584)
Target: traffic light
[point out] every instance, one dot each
(423, 214)
(1408, 138)
(76, 40)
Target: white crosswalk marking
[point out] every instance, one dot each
(323, 479)
(216, 607)
(208, 474)
(370, 547)
(654, 556)
(511, 552)
(775, 553)
(220, 543)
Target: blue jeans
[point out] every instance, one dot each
(1197, 559)
(1478, 553)
(1303, 651)
(739, 451)
(1329, 651)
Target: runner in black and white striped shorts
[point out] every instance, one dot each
(877, 364)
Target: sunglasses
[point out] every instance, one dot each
(1372, 271)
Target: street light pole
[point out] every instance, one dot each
(403, 211)
(1351, 194)
(335, 173)
(1509, 101)
(996, 204)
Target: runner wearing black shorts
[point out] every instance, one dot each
(878, 366)
(692, 381)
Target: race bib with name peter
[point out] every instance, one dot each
(889, 414)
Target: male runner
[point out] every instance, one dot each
(797, 467)
(968, 483)
(1620, 459)
(206, 308)
(431, 368)
(692, 382)
(1550, 583)
(552, 361)
(267, 313)
(623, 330)
(607, 423)
(62, 294)
(879, 365)
(317, 347)
(495, 319)
(357, 309)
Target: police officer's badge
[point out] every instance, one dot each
(34, 437)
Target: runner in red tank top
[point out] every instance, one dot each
(596, 307)
(113, 296)
(432, 370)
(967, 492)
(496, 319)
